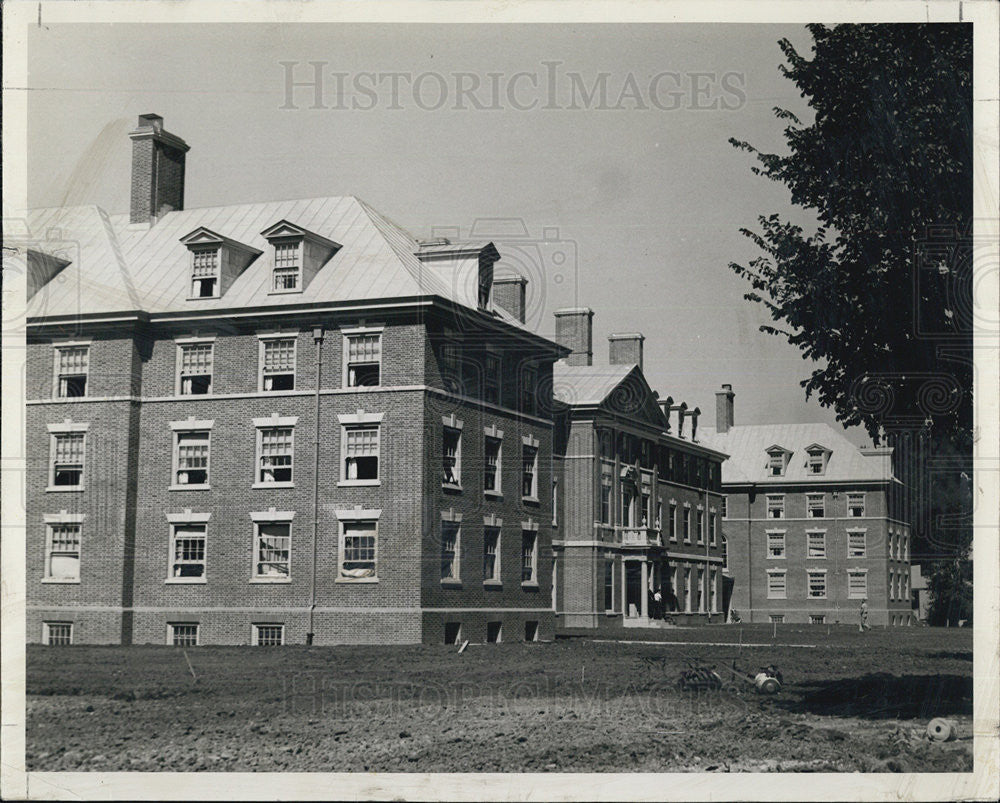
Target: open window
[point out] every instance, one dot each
(277, 362)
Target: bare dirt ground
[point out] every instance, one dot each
(854, 703)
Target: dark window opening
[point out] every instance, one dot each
(74, 386)
(364, 375)
(531, 631)
(452, 632)
(493, 632)
(279, 382)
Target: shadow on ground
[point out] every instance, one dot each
(885, 696)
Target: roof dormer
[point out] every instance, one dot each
(817, 456)
(777, 460)
(467, 266)
(297, 255)
(216, 262)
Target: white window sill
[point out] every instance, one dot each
(452, 486)
(200, 487)
(62, 580)
(63, 488)
(361, 388)
(355, 580)
(293, 291)
(493, 583)
(269, 580)
(182, 395)
(273, 485)
(498, 495)
(69, 398)
(775, 557)
(358, 483)
(451, 582)
(186, 581)
(203, 298)
(529, 584)
(532, 499)
(610, 613)
(778, 598)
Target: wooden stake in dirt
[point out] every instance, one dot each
(774, 633)
(189, 665)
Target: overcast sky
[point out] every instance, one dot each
(628, 202)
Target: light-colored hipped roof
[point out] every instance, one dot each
(748, 462)
(586, 384)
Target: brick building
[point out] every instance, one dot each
(813, 524)
(277, 423)
(638, 502)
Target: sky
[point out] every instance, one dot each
(629, 202)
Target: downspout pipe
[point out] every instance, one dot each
(708, 597)
(318, 340)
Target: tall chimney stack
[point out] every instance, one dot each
(157, 170)
(510, 292)
(681, 410)
(724, 408)
(575, 330)
(625, 349)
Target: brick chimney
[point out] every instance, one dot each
(625, 349)
(575, 331)
(157, 170)
(681, 410)
(510, 292)
(724, 408)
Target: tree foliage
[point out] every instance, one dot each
(950, 589)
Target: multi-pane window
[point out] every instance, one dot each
(776, 588)
(687, 524)
(529, 557)
(358, 554)
(776, 506)
(817, 584)
(713, 527)
(529, 471)
(492, 378)
(701, 526)
(725, 508)
(72, 365)
(491, 467)
(856, 505)
(452, 457)
(191, 458)
(817, 619)
(815, 544)
(816, 462)
(277, 363)
(183, 634)
(62, 559)
(269, 635)
(906, 547)
(776, 618)
(57, 633)
(606, 500)
(776, 463)
(195, 371)
(609, 585)
(815, 506)
(361, 453)
(529, 389)
(672, 521)
(287, 267)
(856, 547)
(205, 272)
(67, 459)
(776, 545)
(272, 550)
(450, 550)
(187, 550)
(276, 450)
(364, 360)
(491, 553)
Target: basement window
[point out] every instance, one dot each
(493, 632)
(531, 630)
(269, 635)
(182, 634)
(452, 632)
(56, 634)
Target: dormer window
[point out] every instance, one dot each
(205, 273)
(298, 255)
(216, 262)
(817, 459)
(287, 268)
(777, 461)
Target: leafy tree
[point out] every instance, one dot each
(950, 589)
(878, 295)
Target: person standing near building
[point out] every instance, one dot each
(863, 624)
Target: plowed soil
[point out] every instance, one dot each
(855, 702)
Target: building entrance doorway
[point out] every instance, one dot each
(633, 588)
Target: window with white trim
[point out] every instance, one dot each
(287, 267)
(361, 452)
(491, 554)
(701, 526)
(817, 618)
(555, 502)
(62, 552)
(776, 545)
(358, 549)
(187, 550)
(687, 525)
(776, 587)
(817, 583)
(194, 368)
(605, 499)
(713, 527)
(275, 451)
(491, 469)
(529, 471)
(492, 377)
(364, 359)
(776, 461)
(857, 584)
(776, 618)
(856, 543)
(816, 461)
(205, 272)
(452, 457)
(906, 546)
(776, 506)
(529, 556)
(56, 634)
(672, 521)
(191, 457)
(272, 550)
(450, 546)
(182, 634)
(609, 584)
(277, 363)
(72, 369)
(268, 635)
(68, 450)
(856, 505)
(816, 544)
(815, 506)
